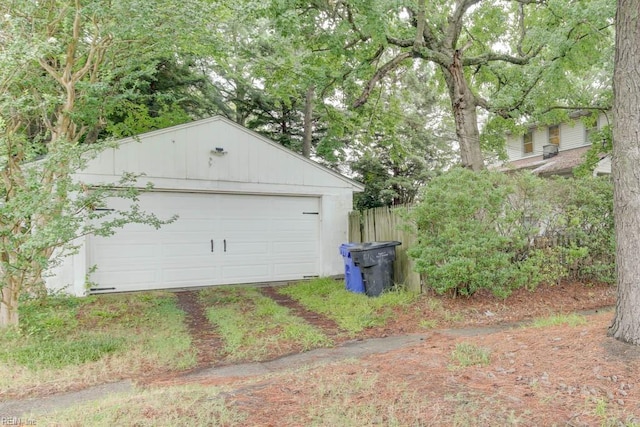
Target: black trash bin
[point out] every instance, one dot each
(375, 260)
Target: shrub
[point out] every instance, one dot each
(495, 231)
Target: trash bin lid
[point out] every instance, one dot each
(372, 245)
(344, 248)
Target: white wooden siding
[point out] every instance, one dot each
(188, 152)
(603, 167)
(572, 135)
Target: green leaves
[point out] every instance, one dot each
(499, 232)
(64, 67)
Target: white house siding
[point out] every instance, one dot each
(184, 159)
(70, 275)
(185, 152)
(603, 167)
(572, 135)
(514, 147)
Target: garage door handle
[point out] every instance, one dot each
(225, 245)
(211, 245)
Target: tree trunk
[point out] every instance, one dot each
(463, 105)
(626, 158)
(8, 306)
(308, 117)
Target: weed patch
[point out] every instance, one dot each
(55, 354)
(466, 354)
(65, 341)
(572, 319)
(352, 312)
(196, 406)
(252, 325)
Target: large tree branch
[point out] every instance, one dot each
(576, 108)
(400, 42)
(424, 35)
(523, 29)
(452, 32)
(382, 71)
(376, 56)
(425, 53)
(494, 57)
(440, 58)
(531, 1)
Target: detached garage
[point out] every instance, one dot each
(249, 211)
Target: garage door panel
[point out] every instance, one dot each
(185, 250)
(186, 262)
(294, 233)
(244, 249)
(186, 225)
(117, 253)
(243, 227)
(195, 276)
(258, 272)
(284, 271)
(268, 238)
(114, 266)
(129, 237)
(192, 237)
(294, 229)
(299, 249)
(131, 279)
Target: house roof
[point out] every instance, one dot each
(560, 164)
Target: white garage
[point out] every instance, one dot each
(249, 211)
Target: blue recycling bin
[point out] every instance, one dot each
(352, 274)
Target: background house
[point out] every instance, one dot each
(553, 150)
(249, 211)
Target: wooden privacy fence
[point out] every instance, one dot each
(386, 224)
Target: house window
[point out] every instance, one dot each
(527, 143)
(554, 135)
(590, 134)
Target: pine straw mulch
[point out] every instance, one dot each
(556, 375)
(559, 375)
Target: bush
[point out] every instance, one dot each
(495, 231)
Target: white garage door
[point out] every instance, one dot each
(217, 239)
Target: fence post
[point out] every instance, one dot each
(355, 227)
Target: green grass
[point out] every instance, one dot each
(465, 355)
(572, 319)
(253, 325)
(428, 324)
(602, 409)
(193, 406)
(64, 341)
(352, 312)
(56, 354)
